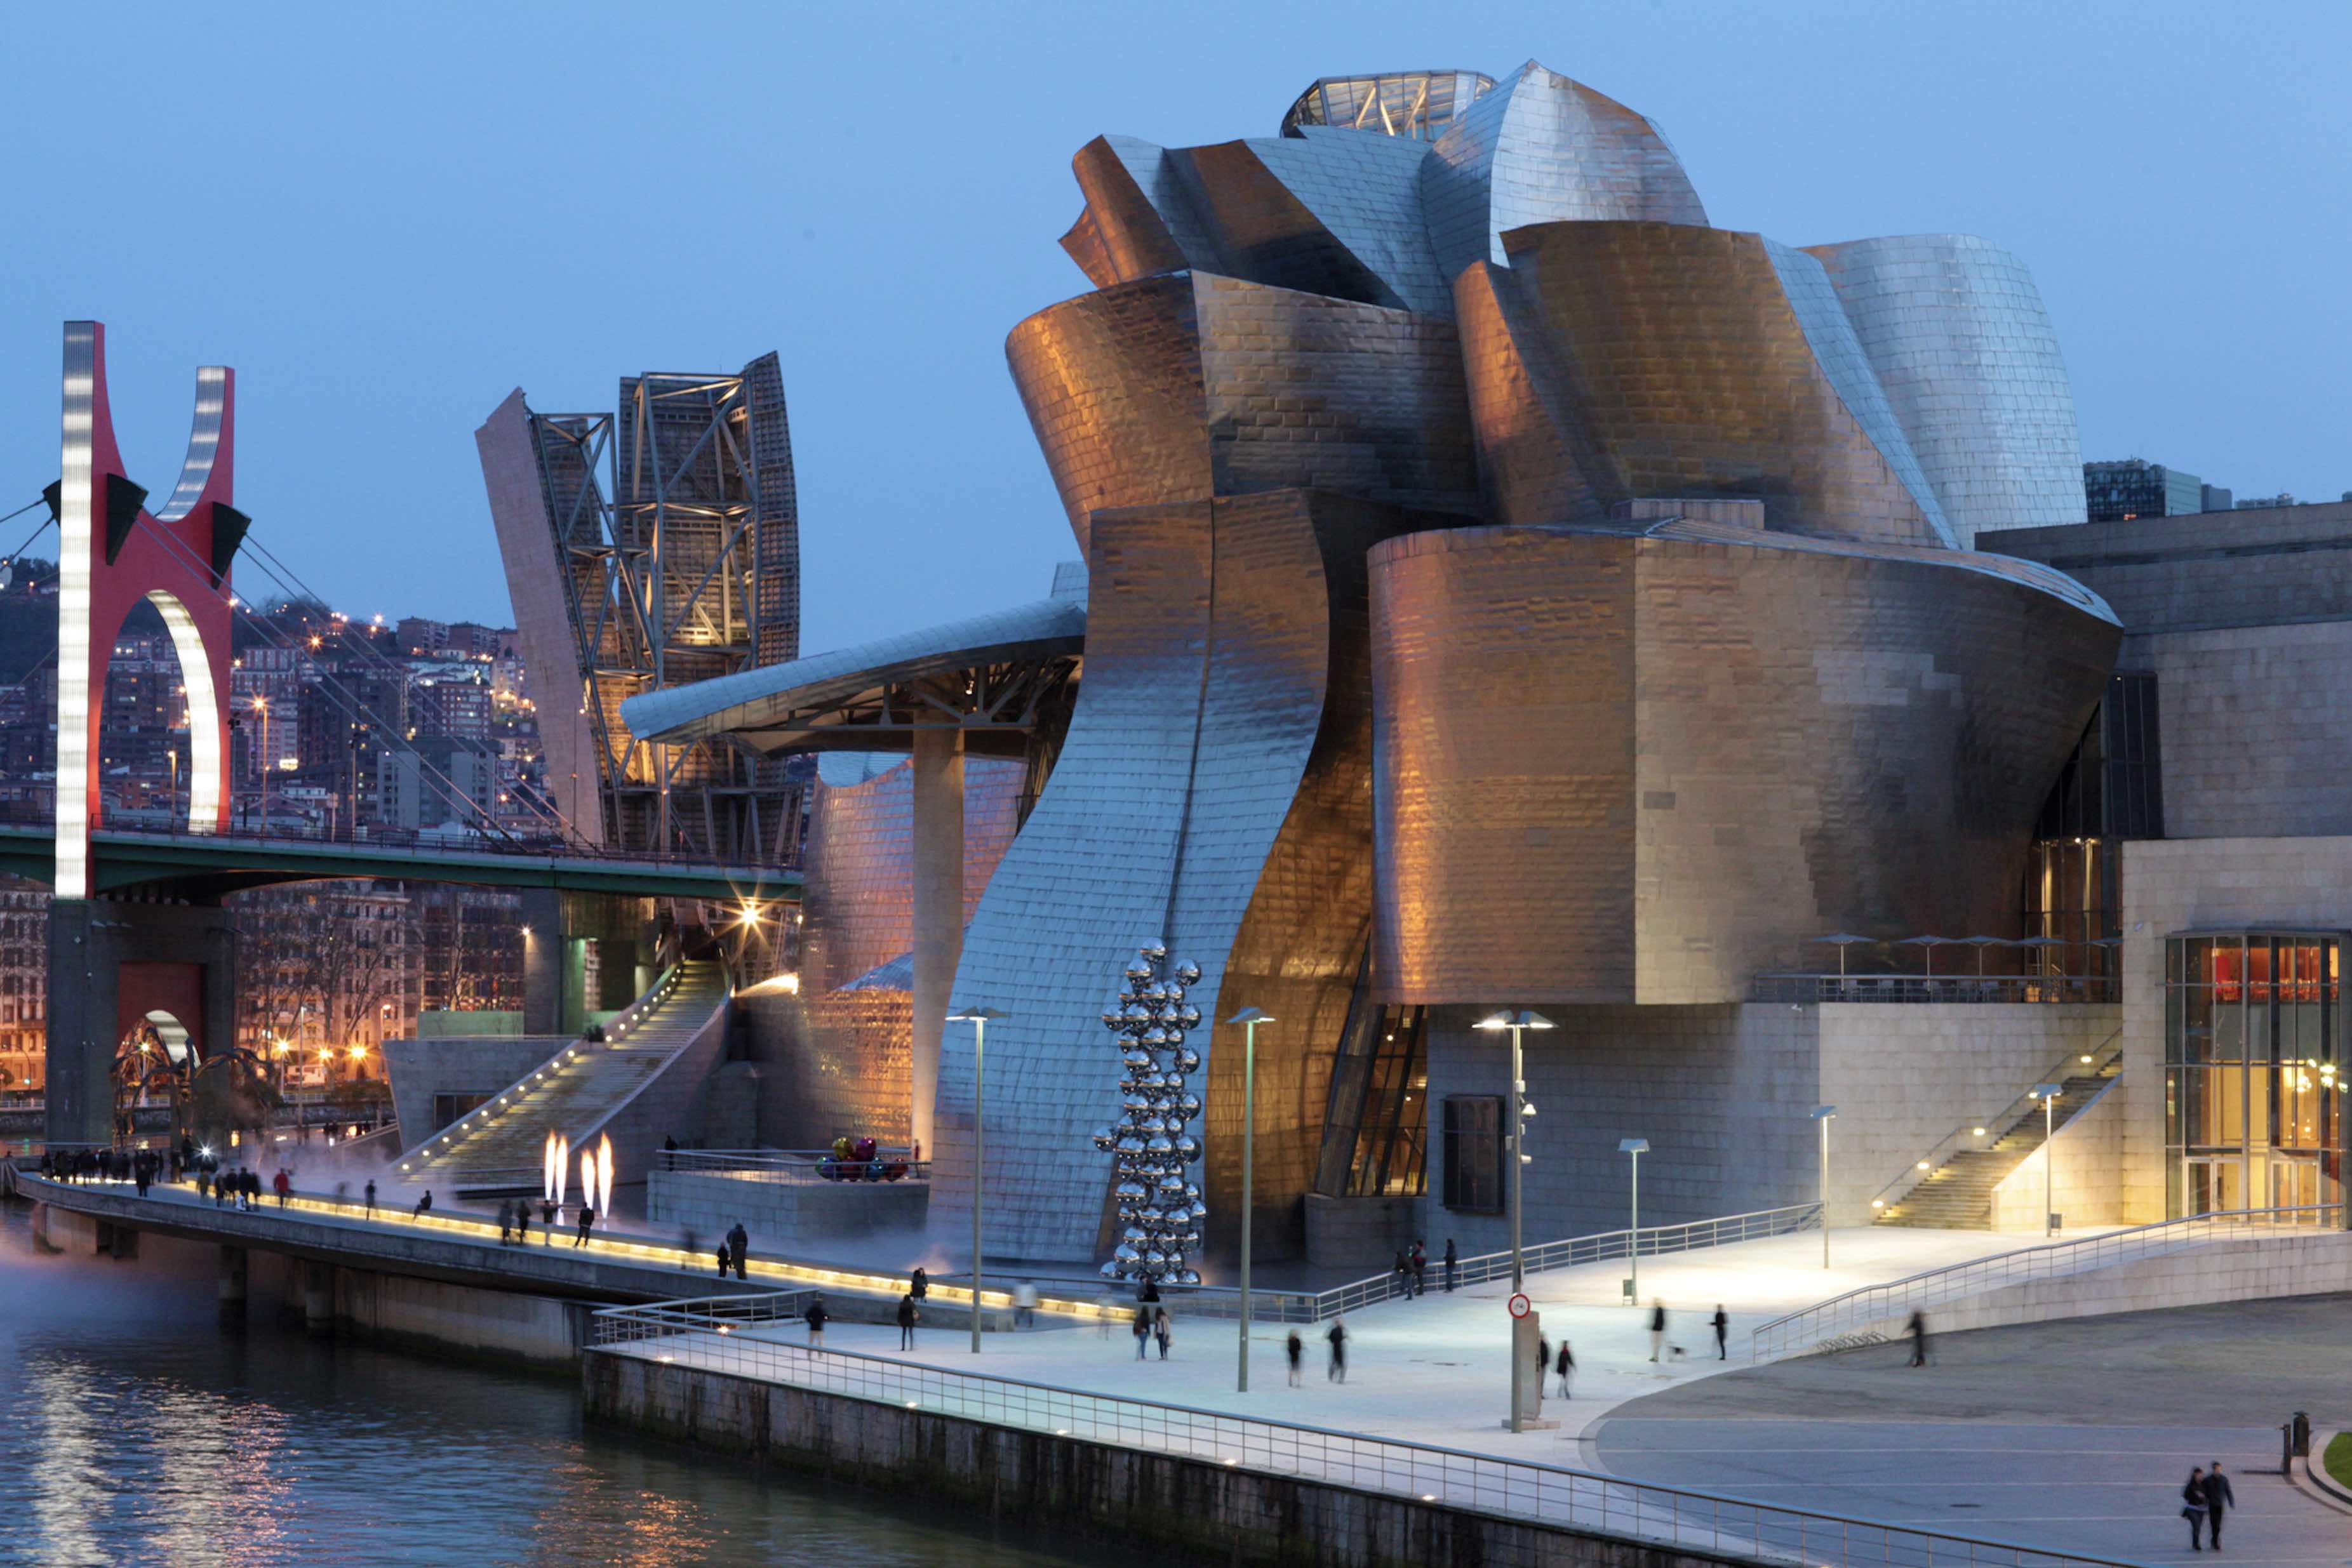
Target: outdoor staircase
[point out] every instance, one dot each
(1956, 1195)
(500, 1145)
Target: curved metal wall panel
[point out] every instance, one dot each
(1957, 334)
(1610, 768)
(1669, 361)
(1210, 792)
(1542, 147)
(1180, 387)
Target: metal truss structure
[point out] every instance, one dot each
(687, 569)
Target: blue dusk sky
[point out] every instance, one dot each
(387, 216)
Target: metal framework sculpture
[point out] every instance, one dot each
(689, 571)
(1158, 1206)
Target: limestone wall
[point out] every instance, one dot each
(2076, 1171)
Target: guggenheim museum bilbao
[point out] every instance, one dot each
(1502, 589)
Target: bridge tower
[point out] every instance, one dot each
(116, 962)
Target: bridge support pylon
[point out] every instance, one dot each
(113, 966)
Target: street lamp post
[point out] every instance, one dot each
(1249, 1019)
(1636, 1147)
(1519, 1023)
(1826, 1114)
(2048, 1095)
(261, 706)
(979, 1019)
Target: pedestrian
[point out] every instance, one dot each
(1151, 1291)
(918, 1285)
(1420, 1268)
(1722, 1334)
(1657, 1326)
(739, 1246)
(204, 1182)
(907, 1317)
(587, 1223)
(522, 1222)
(506, 1222)
(1404, 1274)
(815, 1316)
(1106, 1309)
(723, 1258)
(1024, 1304)
(1565, 1367)
(1918, 1329)
(548, 1209)
(370, 1199)
(1162, 1330)
(1338, 1370)
(1543, 1364)
(1142, 1329)
(284, 1183)
(2193, 1506)
(1293, 1351)
(2219, 1500)
(253, 1190)
(143, 1173)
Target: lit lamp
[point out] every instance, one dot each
(979, 1018)
(1826, 1114)
(1517, 1023)
(1249, 1019)
(1636, 1147)
(2048, 1095)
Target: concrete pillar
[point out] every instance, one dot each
(938, 907)
(110, 964)
(231, 1280)
(543, 961)
(318, 1298)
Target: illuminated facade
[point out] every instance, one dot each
(1503, 587)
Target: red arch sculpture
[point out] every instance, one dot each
(114, 552)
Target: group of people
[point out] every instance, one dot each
(514, 1218)
(2204, 1499)
(734, 1248)
(144, 1166)
(1294, 1352)
(1412, 1267)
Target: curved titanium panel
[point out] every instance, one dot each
(1957, 334)
(1613, 768)
(1542, 148)
(1210, 792)
(1188, 385)
(1669, 361)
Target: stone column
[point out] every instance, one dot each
(318, 1298)
(543, 962)
(938, 912)
(231, 1280)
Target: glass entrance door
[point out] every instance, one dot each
(2294, 1184)
(2216, 1184)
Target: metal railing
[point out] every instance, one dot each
(1998, 1125)
(1940, 989)
(889, 1165)
(1824, 1323)
(720, 1315)
(1576, 1499)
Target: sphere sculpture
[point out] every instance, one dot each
(1158, 1208)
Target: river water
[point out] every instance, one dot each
(143, 1431)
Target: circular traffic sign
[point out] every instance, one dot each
(1521, 1306)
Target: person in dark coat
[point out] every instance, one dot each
(908, 1316)
(506, 1222)
(1565, 1367)
(371, 1200)
(1918, 1329)
(2193, 1506)
(1657, 1327)
(1722, 1334)
(548, 1209)
(1294, 1352)
(1338, 1370)
(587, 1223)
(815, 1316)
(2218, 1501)
(723, 1258)
(522, 1222)
(425, 1204)
(1162, 1330)
(1142, 1329)
(919, 1286)
(1419, 1270)
(739, 1245)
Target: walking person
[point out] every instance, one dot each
(522, 1222)
(1657, 1326)
(907, 1319)
(1336, 1372)
(506, 1223)
(1420, 1268)
(143, 1173)
(1162, 1330)
(918, 1285)
(1565, 1369)
(2193, 1506)
(722, 1257)
(1453, 1265)
(371, 1200)
(816, 1314)
(587, 1223)
(1294, 1352)
(1024, 1304)
(1722, 1325)
(2218, 1501)
(739, 1246)
(1918, 1329)
(548, 1209)
(1142, 1329)
(1543, 1363)
(285, 1186)
(1404, 1274)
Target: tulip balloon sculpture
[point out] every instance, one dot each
(1160, 1209)
(558, 1166)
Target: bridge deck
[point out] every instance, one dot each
(123, 858)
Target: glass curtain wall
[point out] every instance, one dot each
(2253, 1025)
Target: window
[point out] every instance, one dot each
(1474, 1152)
